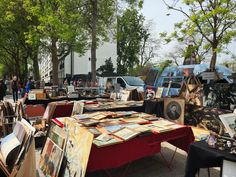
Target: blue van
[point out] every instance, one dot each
(176, 75)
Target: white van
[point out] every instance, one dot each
(126, 82)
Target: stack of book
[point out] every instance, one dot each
(111, 128)
(14, 147)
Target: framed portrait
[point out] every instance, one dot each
(229, 121)
(174, 109)
(228, 169)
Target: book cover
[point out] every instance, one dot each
(137, 120)
(105, 140)
(10, 145)
(89, 122)
(126, 133)
(94, 131)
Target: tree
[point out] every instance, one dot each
(214, 20)
(136, 45)
(107, 69)
(130, 32)
(162, 65)
(59, 29)
(99, 20)
(14, 50)
(149, 47)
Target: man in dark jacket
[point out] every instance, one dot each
(14, 86)
(2, 90)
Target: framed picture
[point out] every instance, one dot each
(174, 109)
(32, 96)
(77, 149)
(51, 159)
(78, 108)
(229, 121)
(159, 92)
(124, 95)
(228, 169)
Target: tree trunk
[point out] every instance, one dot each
(54, 62)
(17, 59)
(25, 74)
(35, 64)
(94, 40)
(213, 58)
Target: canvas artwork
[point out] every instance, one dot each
(229, 121)
(124, 95)
(159, 92)
(78, 108)
(77, 150)
(31, 96)
(58, 135)
(51, 159)
(174, 109)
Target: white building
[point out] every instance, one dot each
(75, 64)
(45, 68)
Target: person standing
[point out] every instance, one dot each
(14, 86)
(28, 86)
(2, 90)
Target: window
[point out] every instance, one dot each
(121, 82)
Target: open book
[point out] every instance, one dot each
(15, 145)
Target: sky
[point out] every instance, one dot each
(163, 21)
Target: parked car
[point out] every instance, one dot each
(126, 82)
(177, 74)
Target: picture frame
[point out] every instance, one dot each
(32, 96)
(51, 158)
(124, 95)
(228, 169)
(174, 109)
(229, 121)
(78, 108)
(159, 92)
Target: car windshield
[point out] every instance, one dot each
(133, 81)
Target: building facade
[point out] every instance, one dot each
(74, 64)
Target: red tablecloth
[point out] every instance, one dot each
(119, 154)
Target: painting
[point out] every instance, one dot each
(78, 108)
(159, 92)
(58, 135)
(174, 109)
(31, 96)
(51, 159)
(229, 121)
(77, 149)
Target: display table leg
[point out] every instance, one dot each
(169, 164)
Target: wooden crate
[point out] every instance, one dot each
(40, 96)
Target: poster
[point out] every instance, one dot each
(77, 149)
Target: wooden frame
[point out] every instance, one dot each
(174, 109)
(229, 121)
